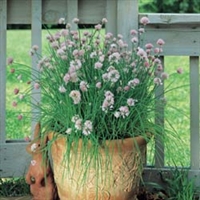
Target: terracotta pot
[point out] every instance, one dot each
(114, 172)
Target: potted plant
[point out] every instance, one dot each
(96, 109)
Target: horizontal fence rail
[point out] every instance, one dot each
(181, 31)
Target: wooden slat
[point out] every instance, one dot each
(179, 41)
(159, 120)
(53, 10)
(91, 11)
(14, 160)
(19, 12)
(3, 21)
(111, 16)
(127, 18)
(172, 18)
(36, 35)
(179, 31)
(72, 12)
(194, 112)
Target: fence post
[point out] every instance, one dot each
(159, 120)
(3, 28)
(127, 18)
(36, 39)
(72, 12)
(111, 16)
(194, 113)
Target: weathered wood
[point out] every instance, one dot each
(194, 113)
(180, 41)
(53, 10)
(180, 32)
(3, 27)
(72, 12)
(127, 18)
(36, 39)
(171, 18)
(159, 120)
(90, 11)
(19, 12)
(118, 23)
(111, 16)
(14, 160)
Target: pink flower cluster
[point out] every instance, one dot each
(108, 101)
(76, 96)
(85, 127)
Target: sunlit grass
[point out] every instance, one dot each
(18, 47)
(178, 113)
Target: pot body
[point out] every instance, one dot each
(111, 174)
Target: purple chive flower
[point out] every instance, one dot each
(12, 71)
(61, 21)
(19, 117)
(76, 96)
(133, 32)
(62, 89)
(35, 47)
(149, 46)
(160, 42)
(14, 104)
(36, 86)
(104, 21)
(10, 61)
(16, 91)
(179, 70)
(27, 139)
(98, 27)
(144, 20)
(75, 20)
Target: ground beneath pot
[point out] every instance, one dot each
(141, 197)
(16, 198)
(144, 195)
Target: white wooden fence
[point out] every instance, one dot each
(180, 31)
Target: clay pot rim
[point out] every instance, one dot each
(130, 143)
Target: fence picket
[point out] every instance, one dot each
(111, 15)
(72, 12)
(159, 119)
(3, 27)
(36, 39)
(127, 18)
(194, 113)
